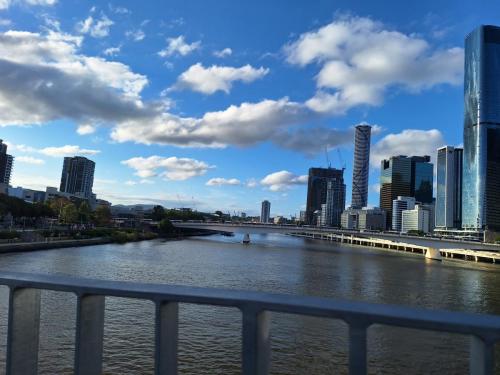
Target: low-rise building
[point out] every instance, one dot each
(398, 206)
(364, 219)
(416, 219)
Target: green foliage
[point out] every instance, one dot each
(416, 233)
(102, 216)
(166, 228)
(19, 208)
(158, 213)
(69, 214)
(9, 235)
(183, 215)
(84, 212)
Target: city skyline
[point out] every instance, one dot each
(300, 116)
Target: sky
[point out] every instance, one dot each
(220, 104)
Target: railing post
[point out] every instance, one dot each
(166, 337)
(89, 335)
(482, 356)
(357, 348)
(23, 330)
(256, 342)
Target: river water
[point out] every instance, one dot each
(210, 338)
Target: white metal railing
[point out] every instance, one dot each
(24, 321)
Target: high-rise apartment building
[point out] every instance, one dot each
(265, 212)
(317, 189)
(361, 166)
(449, 188)
(77, 176)
(405, 176)
(6, 163)
(332, 209)
(481, 160)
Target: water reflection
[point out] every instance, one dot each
(210, 337)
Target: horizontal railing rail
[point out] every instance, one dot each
(24, 321)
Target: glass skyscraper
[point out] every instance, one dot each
(481, 173)
(77, 176)
(407, 177)
(449, 188)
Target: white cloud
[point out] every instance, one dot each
(360, 59)
(178, 46)
(409, 142)
(97, 28)
(219, 181)
(4, 4)
(135, 35)
(171, 168)
(112, 51)
(5, 22)
(217, 78)
(85, 129)
(282, 180)
(67, 150)
(252, 182)
(29, 160)
(223, 53)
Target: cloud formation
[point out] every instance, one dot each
(5, 4)
(360, 58)
(409, 142)
(178, 46)
(29, 160)
(85, 129)
(223, 53)
(172, 168)
(219, 181)
(97, 28)
(67, 150)
(283, 180)
(217, 78)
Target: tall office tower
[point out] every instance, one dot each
(481, 170)
(265, 212)
(6, 163)
(77, 176)
(316, 189)
(405, 176)
(398, 206)
(449, 188)
(361, 166)
(335, 202)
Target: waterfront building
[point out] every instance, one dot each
(363, 219)
(481, 155)
(317, 189)
(398, 206)
(405, 176)
(416, 219)
(265, 212)
(28, 195)
(77, 176)
(449, 188)
(361, 166)
(332, 209)
(6, 164)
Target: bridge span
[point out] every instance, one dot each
(288, 229)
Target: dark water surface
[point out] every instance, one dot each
(210, 336)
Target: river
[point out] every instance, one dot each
(210, 336)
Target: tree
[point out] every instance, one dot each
(166, 228)
(102, 216)
(69, 213)
(158, 213)
(84, 212)
(57, 205)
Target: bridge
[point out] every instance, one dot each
(25, 300)
(286, 229)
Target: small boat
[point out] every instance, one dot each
(433, 253)
(246, 238)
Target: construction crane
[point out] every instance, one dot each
(327, 158)
(341, 160)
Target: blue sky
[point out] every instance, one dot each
(221, 104)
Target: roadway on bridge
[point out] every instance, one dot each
(270, 228)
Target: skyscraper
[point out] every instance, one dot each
(335, 202)
(405, 176)
(6, 163)
(481, 170)
(361, 166)
(77, 176)
(317, 189)
(265, 212)
(449, 188)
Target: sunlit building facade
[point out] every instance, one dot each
(449, 188)
(481, 169)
